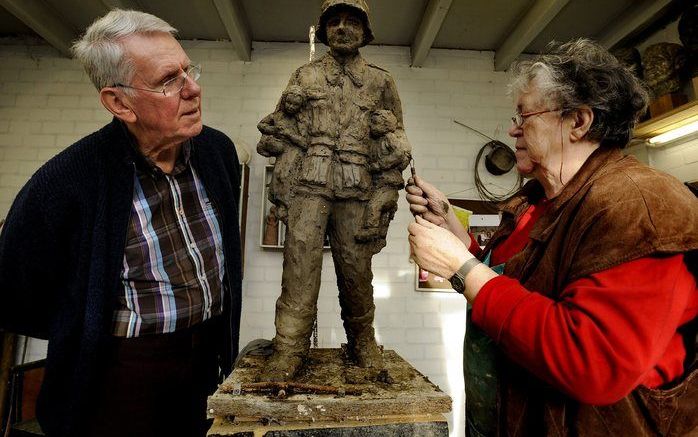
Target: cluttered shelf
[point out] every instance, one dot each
(674, 119)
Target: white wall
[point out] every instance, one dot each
(679, 159)
(47, 103)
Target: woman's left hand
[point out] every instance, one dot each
(436, 249)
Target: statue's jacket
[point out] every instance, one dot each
(340, 99)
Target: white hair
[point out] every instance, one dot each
(100, 49)
(583, 73)
(534, 74)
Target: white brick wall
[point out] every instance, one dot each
(47, 103)
(679, 159)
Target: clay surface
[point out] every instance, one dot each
(340, 149)
(407, 392)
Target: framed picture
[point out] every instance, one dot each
(425, 281)
(482, 220)
(483, 227)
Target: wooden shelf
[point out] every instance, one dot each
(676, 118)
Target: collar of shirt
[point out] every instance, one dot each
(354, 68)
(146, 165)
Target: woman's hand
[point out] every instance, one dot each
(426, 201)
(436, 249)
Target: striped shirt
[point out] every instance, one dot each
(172, 272)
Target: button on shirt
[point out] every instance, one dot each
(172, 274)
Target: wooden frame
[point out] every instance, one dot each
(425, 281)
(266, 207)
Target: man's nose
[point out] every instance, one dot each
(191, 88)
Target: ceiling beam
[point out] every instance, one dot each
(233, 17)
(44, 21)
(123, 4)
(434, 16)
(634, 19)
(526, 30)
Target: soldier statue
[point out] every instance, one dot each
(331, 188)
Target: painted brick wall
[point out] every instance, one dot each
(679, 159)
(47, 103)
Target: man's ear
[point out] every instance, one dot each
(582, 118)
(114, 101)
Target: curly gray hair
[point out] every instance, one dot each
(581, 72)
(100, 50)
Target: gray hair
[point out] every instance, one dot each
(579, 73)
(100, 49)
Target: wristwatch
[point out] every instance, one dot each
(458, 279)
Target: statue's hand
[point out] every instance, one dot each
(270, 146)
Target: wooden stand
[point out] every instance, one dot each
(330, 398)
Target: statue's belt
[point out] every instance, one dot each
(346, 154)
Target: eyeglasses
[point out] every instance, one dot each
(173, 86)
(518, 119)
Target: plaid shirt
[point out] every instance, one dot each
(172, 271)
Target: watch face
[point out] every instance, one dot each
(457, 283)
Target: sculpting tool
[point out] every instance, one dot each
(413, 171)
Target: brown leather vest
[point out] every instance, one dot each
(614, 210)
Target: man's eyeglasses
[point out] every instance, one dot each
(173, 86)
(518, 119)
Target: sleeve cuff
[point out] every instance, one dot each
(474, 248)
(495, 302)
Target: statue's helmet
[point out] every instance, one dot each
(329, 6)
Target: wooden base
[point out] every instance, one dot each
(666, 103)
(399, 400)
(422, 426)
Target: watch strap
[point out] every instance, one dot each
(462, 272)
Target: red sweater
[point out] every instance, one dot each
(606, 334)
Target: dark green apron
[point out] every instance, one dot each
(480, 375)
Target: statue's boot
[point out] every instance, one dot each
(281, 367)
(291, 345)
(361, 341)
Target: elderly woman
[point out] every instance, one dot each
(586, 295)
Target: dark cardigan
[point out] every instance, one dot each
(61, 252)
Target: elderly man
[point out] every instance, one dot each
(333, 188)
(123, 251)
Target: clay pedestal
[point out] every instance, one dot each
(330, 398)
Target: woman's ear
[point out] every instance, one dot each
(582, 118)
(114, 101)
